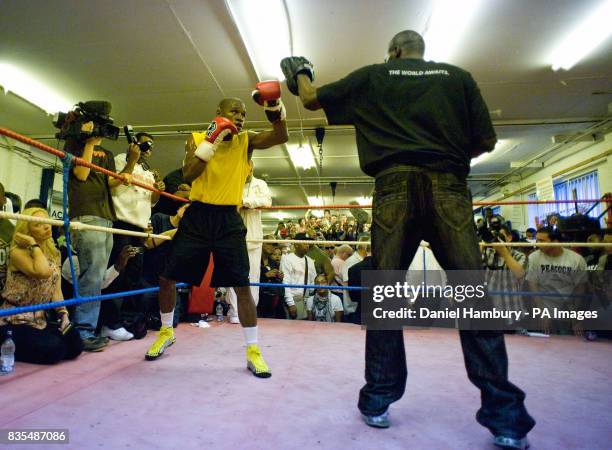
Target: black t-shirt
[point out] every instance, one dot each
(92, 197)
(410, 111)
(172, 181)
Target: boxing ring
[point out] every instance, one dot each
(199, 394)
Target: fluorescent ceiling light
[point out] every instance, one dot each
(28, 87)
(502, 146)
(301, 156)
(264, 28)
(315, 200)
(446, 27)
(364, 200)
(591, 32)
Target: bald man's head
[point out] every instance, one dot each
(232, 108)
(406, 44)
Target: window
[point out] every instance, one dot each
(586, 187)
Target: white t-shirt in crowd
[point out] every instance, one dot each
(255, 194)
(349, 305)
(561, 274)
(133, 203)
(334, 304)
(293, 268)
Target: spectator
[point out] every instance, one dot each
(350, 307)
(157, 249)
(174, 184)
(326, 221)
(592, 254)
(297, 269)
(360, 215)
(6, 236)
(271, 298)
(111, 274)
(324, 306)
(552, 220)
(354, 280)
(302, 228)
(90, 202)
(505, 271)
(330, 251)
(332, 231)
(3, 199)
(605, 262)
(281, 231)
(342, 253)
(15, 202)
(530, 234)
(34, 278)
(488, 215)
(343, 220)
(312, 220)
(322, 262)
(132, 206)
(34, 203)
(255, 194)
(555, 269)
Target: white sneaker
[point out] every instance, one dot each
(234, 319)
(120, 334)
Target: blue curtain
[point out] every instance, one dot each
(586, 186)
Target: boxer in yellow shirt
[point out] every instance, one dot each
(217, 165)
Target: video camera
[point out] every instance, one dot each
(493, 232)
(144, 146)
(70, 124)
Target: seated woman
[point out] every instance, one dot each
(33, 278)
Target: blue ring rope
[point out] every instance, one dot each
(76, 301)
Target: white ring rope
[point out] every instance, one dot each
(482, 244)
(84, 226)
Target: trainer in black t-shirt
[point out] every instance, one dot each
(167, 205)
(410, 111)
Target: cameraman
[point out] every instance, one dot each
(90, 202)
(504, 267)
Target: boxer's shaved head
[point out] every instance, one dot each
(407, 43)
(227, 103)
(232, 108)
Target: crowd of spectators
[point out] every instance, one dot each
(34, 268)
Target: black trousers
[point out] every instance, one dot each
(129, 279)
(46, 346)
(411, 204)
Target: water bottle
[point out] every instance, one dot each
(219, 312)
(7, 354)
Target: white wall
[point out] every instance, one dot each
(565, 158)
(21, 168)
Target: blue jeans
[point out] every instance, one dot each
(93, 251)
(410, 204)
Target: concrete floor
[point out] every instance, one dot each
(199, 395)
